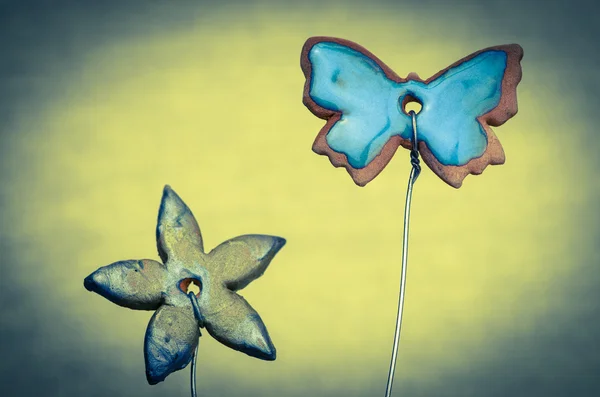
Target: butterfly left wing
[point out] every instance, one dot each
(354, 91)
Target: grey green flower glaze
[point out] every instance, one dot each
(173, 332)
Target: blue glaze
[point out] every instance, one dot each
(347, 81)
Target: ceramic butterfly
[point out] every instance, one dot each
(364, 101)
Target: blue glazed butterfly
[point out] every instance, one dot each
(364, 101)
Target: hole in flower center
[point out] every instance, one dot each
(409, 103)
(188, 285)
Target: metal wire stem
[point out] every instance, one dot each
(195, 355)
(193, 373)
(414, 174)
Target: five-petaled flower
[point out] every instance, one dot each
(173, 332)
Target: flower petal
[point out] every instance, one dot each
(177, 231)
(171, 338)
(136, 284)
(242, 259)
(237, 325)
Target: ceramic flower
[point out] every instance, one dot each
(173, 332)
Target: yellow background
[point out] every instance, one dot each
(214, 109)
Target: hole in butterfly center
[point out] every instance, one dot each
(409, 103)
(188, 285)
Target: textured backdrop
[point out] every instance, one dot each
(104, 102)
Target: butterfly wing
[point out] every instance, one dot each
(355, 92)
(460, 104)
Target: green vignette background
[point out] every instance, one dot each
(104, 103)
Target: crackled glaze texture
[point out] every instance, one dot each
(173, 332)
(364, 103)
